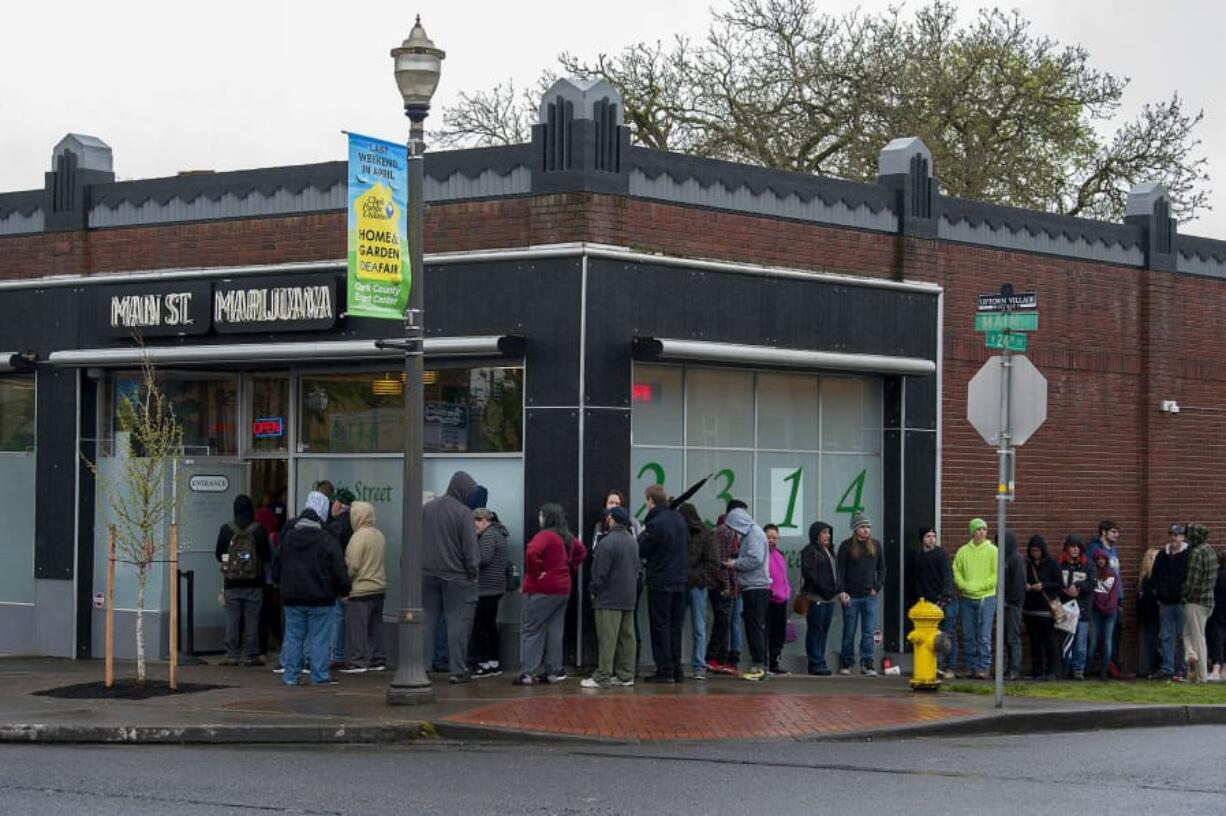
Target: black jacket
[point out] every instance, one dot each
(1169, 574)
(244, 517)
(310, 565)
(860, 576)
(341, 528)
(819, 575)
(1081, 576)
(702, 556)
(1015, 571)
(934, 576)
(1045, 572)
(664, 545)
(615, 571)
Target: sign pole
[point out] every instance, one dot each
(1002, 503)
(110, 606)
(174, 575)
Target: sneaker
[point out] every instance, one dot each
(617, 682)
(868, 671)
(948, 674)
(229, 661)
(457, 679)
(754, 674)
(845, 671)
(486, 670)
(524, 680)
(353, 670)
(1213, 677)
(378, 668)
(328, 682)
(700, 674)
(589, 683)
(555, 678)
(779, 671)
(723, 668)
(279, 670)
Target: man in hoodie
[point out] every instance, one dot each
(862, 571)
(243, 583)
(752, 566)
(934, 582)
(1198, 600)
(724, 647)
(1015, 597)
(366, 560)
(310, 568)
(1170, 571)
(614, 584)
(975, 577)
(664, 545)
(451, 562)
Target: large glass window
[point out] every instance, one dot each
(269, 429)
(17, 475)
(206, 406)
(467, 410)
(16, 414)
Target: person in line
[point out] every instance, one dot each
(753, 572)
(243, 551)
(819, 582)
(451, 563)
(1215, 629)
(724, 646)
(341, 526)
(366, 561)
(975, 577)
(310, 568)
(934, 582)
(1198, 600)
(616, 498)
(703, 573)
(1108, 540)
(492, 540)
(1104, 609)
(1015, 597)
(1170, 571)
(861, 563)
(615, 571)
(777, 612)
(1042, 586)
(271, 629)
(1148, 617)
(664, 545)
(550, 558)
(1076, 584)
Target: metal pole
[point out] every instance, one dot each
(411, 685)
(1002, 503)
(174, 575)
(110, 607)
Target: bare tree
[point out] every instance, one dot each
(1011, 116)
(137, 497)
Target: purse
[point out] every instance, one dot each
(801, 605)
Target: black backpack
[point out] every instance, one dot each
(242, 562)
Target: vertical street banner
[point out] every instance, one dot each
(379, 272)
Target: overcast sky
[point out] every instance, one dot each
(230, 85)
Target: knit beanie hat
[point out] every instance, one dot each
(978, 524)
(860, 520)
(923, 531)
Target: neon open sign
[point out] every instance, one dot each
(268, 427)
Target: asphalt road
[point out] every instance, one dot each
(1121, 772)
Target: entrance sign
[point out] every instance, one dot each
(379, 275)
(1027, 400)
(213, 483)
(1005, 340)
(1010, 321)
(1015, 302)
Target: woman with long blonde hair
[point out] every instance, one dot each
(1149, 662)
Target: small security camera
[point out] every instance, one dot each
(1169, 407)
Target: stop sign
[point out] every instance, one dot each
(1027, 400)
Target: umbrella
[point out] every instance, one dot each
(690, 491)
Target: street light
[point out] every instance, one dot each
(418, 65)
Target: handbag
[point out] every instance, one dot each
(1072, 613)
(801, 605)
(1057, 609)
(790, 631)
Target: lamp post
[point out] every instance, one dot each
(418, 65)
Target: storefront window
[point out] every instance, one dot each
(467, 410)
(16, 413)
(206, 407)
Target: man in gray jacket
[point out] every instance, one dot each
(450, 564)
(615, 569)
(753, 572)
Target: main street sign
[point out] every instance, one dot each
(1002, 321)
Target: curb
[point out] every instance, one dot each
(218, 734)
(1042, 722)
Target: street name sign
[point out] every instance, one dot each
(1018, 302)
(1005, 341)
(1010, 321)
(1027, 400)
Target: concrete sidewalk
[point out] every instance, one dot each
(256, 707)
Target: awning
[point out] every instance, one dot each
(653, 348)
(16, 361)
(315, 351)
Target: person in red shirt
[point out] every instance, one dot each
(549, 559)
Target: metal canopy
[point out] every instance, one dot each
(655, 347)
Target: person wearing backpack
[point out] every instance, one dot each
(243, 551)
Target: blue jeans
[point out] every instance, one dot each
(698, 628)
(819, 619)
(949, 626)
(738, 627)
(1170, 623)
(338, 632)
(862, 611)
(1074, 659)
(309, 629)
(1102, 626)
(977, 615)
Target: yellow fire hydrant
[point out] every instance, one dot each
(928, 640)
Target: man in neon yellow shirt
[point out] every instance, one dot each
(975, 577)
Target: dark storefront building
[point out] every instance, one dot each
(598, 315)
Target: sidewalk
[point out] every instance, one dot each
(257, 707)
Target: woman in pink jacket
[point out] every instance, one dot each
(781, 593)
